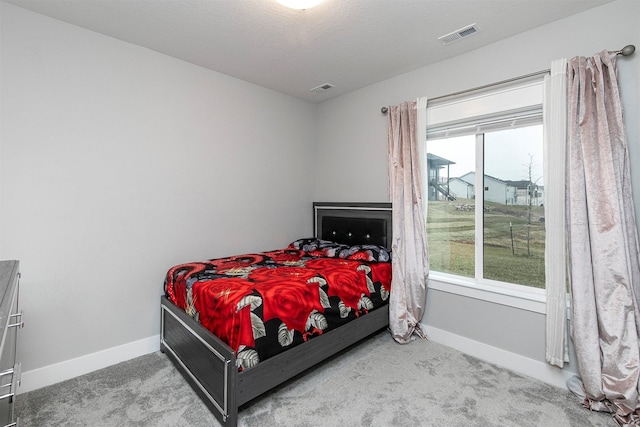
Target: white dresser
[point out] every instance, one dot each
(10, 322)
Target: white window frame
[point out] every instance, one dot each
(520, 103)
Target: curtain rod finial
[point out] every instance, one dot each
(627, 50)
(384, 110)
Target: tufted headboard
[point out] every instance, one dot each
(353, 223)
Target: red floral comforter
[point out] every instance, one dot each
(261, 304)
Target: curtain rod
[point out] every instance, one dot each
(625, 51)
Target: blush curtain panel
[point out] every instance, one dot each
(410, 260)
(602, 236)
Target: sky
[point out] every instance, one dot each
(508, 154)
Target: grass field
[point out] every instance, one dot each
(513, 248)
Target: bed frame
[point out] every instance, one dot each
(209, 365)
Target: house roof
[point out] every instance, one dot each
(438, 161)
(473, 174)
(523, 184)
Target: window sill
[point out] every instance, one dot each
(514, 296)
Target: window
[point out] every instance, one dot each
(485, 215)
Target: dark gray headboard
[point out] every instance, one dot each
(353, 223)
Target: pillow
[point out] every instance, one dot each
(371, 253)
(318, 247)
(329, 249)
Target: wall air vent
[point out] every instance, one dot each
(458, 34)
(322, 87)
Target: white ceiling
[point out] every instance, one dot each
(347, 43)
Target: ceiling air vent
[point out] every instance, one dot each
(322, 87)
(458, 34)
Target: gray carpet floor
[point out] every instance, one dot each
(375, 383)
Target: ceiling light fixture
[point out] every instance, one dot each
(299, 4)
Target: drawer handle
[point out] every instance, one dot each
(18, 322)
(16, 373)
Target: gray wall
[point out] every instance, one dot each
(352, 127)
(119, 162)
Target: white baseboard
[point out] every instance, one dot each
(514, 362)
(48, 375)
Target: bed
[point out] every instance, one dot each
(228, 369)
